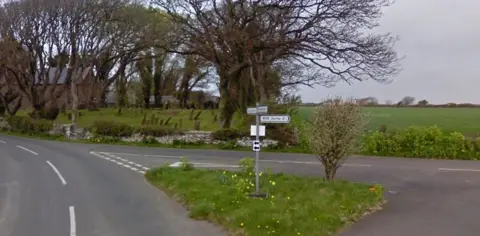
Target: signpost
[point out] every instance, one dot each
(258, 111)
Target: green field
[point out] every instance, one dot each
(465, 120)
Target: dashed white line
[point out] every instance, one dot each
(57, 172)
(126, 163)
(1, 141)
(73, 223)
(28, 150)
(464, 170)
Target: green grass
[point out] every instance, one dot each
(295, 205)
(464, 120)
(134, 117)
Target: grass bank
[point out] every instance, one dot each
(294, 206)
(134, 117)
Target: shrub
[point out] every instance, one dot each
(157, 131)
(149, 140)
(103, 139)
(111, 128)
(419, 142)
(335, 129)
(247, 165)
(227, 134)
(26, 125)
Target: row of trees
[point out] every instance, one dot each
(254, 51)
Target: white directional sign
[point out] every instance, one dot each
(256, 146)
(257, 111)
(262, 110)
(252, 110)
(275, 119)
(253, 130)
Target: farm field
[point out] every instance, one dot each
(464, 120)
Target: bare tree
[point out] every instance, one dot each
(407, 100)
(192, 74)
(327, 37)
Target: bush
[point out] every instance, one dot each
(227, 134)
(336, 127)
(111, 128)
(157, 131)
(26, 125)
(414, 141)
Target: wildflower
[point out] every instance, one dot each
(372, 189)
(241, 224)
(288, 198)
(273, 183)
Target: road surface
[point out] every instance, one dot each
(53, 188)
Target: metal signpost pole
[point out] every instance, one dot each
(257, 153)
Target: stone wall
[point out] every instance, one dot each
(188, 137)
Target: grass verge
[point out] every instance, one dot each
(294, 206)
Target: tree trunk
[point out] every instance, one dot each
(227, 104)
(74, 91)
(157, 93)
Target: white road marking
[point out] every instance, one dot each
(28, 150)
(213, 165)
(1, 141)
(145, 155)
(464, 170)
(142, 172)
(145, 168)
(73, 223)
(133, 168)
(205, 165)
(176, 164)
(57, 172)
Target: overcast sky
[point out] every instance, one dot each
(441, 42)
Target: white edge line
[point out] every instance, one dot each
(466, 170)
(57, 172)
(176, 164)
(28, 150)
(1, 141)
(73, 224)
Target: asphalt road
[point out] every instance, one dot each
(52, 188)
